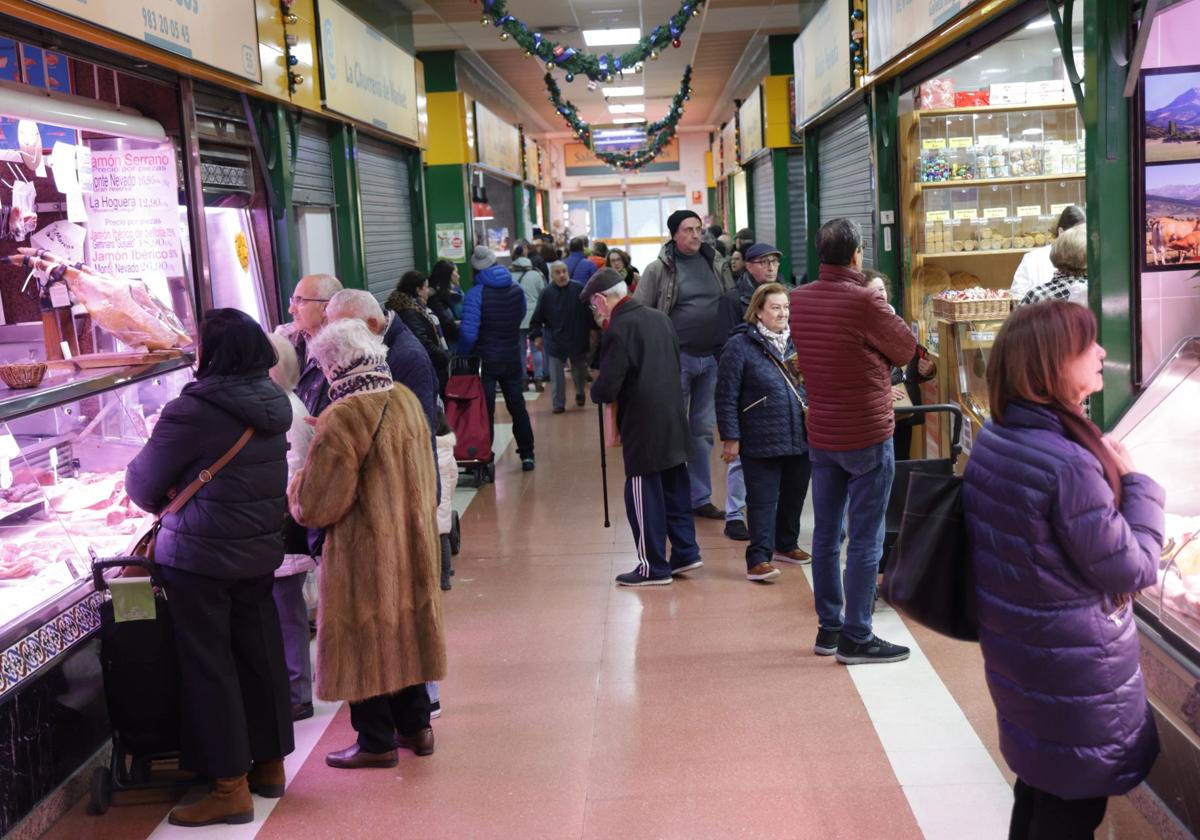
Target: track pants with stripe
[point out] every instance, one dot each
(659, 506)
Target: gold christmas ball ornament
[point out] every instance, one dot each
(654, 55)
(503, 36)
(484, 21)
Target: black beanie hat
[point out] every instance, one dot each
(676, 219)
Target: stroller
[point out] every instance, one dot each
(467, 414)
(141, 687)
(941, 466)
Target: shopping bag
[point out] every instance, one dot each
(929, 577)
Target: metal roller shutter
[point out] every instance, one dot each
(383, 187)
(846, 181)
(762, 194)
(313, 178)
(797, 213)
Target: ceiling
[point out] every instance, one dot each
(714, 44)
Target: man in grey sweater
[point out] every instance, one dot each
(686, 283)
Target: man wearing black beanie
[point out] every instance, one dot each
(686, 283)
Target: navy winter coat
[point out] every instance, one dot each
(755, 404)
(563, 321)
(411, 366)
(233, 527)
(491, 322)
(1050, 552)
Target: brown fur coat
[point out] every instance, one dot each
(379, 624)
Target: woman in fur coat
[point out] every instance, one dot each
(370, 482)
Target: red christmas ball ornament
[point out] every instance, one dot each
(675, 43)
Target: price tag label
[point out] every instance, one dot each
(993, 140)
(961, 142)
(59, 297)
(995, 212)
(1029, 210)
(937, 215)
(1058, 208)
(980, 335)
(968, 214)
(933, 143)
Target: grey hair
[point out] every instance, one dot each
(355, 303)
(286, 372)
(327, 285)
(1069, 251)
(344, 342)
(617, 290)
(557, 263)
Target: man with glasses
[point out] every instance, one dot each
(686, 284)
(307, 308)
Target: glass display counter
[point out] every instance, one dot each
(962, 376)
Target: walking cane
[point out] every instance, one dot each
(603, 463)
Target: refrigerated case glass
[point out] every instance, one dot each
(234, 270)
(62, 493)
(1161, 430)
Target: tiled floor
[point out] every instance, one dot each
(575, 709)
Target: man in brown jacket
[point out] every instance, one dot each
(847, 338)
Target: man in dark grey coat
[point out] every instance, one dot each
(639, 371)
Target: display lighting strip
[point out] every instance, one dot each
(601, 68)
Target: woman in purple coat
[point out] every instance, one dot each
(1063, 531)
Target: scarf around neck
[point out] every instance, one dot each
(777, 340)
(364, 375)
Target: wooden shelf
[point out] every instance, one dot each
(975, 253)
(991, 109)
(991, 182)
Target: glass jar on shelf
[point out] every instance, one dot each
(938, 221)
(996, 209)
(1031, 228)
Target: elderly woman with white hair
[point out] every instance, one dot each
(370, 482)
(1068, 254)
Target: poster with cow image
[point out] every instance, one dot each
(1169, 106)
(1172, 216)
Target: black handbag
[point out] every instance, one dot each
(930, 578)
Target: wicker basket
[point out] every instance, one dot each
(971, 310)
(23, 374)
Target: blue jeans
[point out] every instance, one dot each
(735, 491)
(698, 377)
(863, 477)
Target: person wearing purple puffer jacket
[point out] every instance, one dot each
(1063, 532)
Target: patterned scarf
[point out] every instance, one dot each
(777, 340)
(365, 375)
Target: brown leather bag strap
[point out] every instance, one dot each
(207, 475)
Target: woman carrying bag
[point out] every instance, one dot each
(217, 555)
(760, 415)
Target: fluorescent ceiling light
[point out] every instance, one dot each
(628, 120)
(23, 102)
(1056, 50)
(632, 90)
(611, 37)
(632, 108)
(1040, 23)
(607, 11)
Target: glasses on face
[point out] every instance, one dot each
(299, 300)
(768, 262)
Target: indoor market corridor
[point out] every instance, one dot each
(574, 708)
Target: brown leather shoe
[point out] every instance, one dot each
(266, 778)
(421, 742)
(229, 802)
(797, 555)
(762, 571)
(355, 757)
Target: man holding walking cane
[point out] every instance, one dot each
(639, 371)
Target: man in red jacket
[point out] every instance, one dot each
(847, 338)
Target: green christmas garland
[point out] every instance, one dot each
(583, 129)
(635, 160)
(601, 68)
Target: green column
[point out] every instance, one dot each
(1106, 114)
(447, 197)
(813, 203)
(348, 214)
(519, 202)
(546, 210)
(273, 122)
(783, 214)
(884, 114)
(416, 177)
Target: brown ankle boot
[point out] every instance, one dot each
(229, 802)
(266, 778)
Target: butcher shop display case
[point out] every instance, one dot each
(1160, 431)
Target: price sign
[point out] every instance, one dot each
(937, 215)
(1029, 210)
(961, 142)
(982, 336)
(933, 143)
(968, 214)
(993, 140)
(995, 212)
(1058, 208)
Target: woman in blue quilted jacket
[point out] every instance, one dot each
(1063, 532)
(760, 415)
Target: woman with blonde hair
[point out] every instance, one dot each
(1063, 531)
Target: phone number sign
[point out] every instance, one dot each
(220, 33)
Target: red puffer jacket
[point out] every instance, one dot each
(846, 341)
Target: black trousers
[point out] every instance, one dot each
(236, 704)
(378, 719)
(775, 493)
(511, 385)
(1038, 815)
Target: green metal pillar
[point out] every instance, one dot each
(273, 122)
(520, 204)
(447, 197)
(351, 262)
(416, 177)
(546, 210)
(1107, 25)
(813, 204)
(884, 115)
(782, 235)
